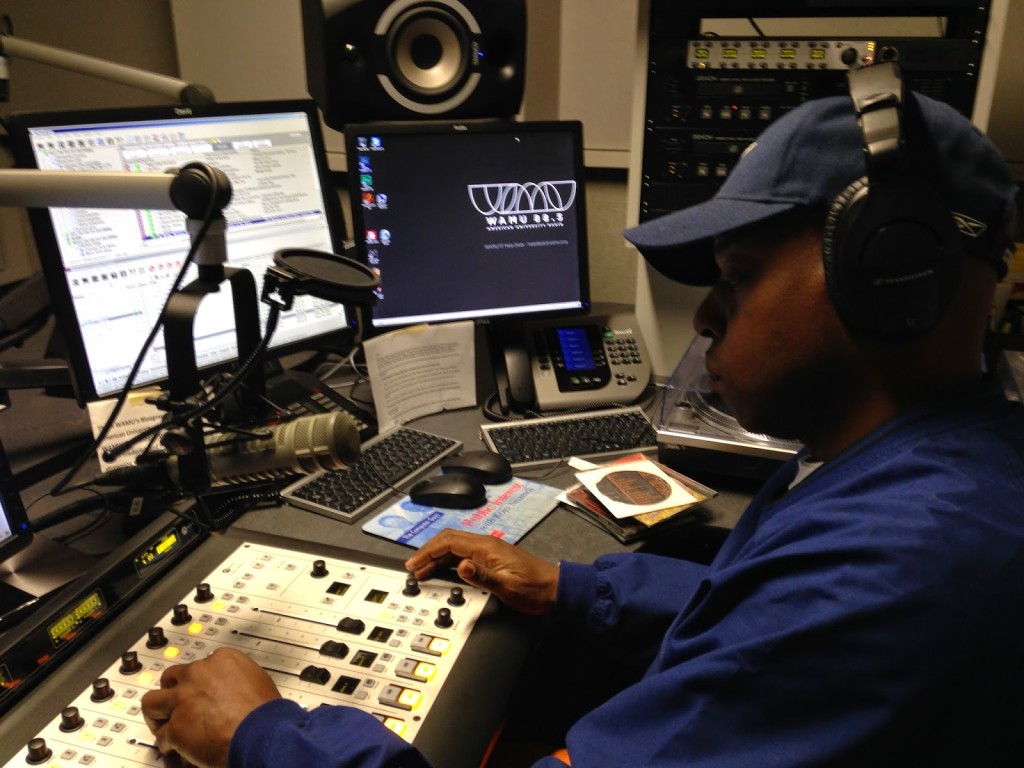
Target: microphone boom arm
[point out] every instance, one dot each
(199, 191)
(181, 91)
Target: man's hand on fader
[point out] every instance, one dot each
(520, 580)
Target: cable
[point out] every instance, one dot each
(205, 407)
(71, 511)
(208, 219)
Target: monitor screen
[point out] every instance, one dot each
(465, 221)
(109, 271)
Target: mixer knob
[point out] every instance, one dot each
(130, 663)
(38, 752)
(156, 638)
(412, 587)
(319, 569)
(71, 719)
(101, 690)
(444, 618)
(456, 597)
(180, 615)
(203, 593)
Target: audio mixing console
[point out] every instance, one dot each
(328, 630)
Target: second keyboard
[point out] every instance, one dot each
(590, 434)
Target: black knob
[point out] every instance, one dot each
(444, 618)
(38, 752)
(412, 587)
(71, 719)
(180, 615)
(130, 663)
(203, 593)
(101, 690)
(456, 597)
(319, 569)
(156, 638)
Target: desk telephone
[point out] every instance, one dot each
(597, 360)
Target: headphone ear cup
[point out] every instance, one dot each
(837, 280)
(892, 258)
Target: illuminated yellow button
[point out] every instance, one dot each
(425, 670)
(395, 725)
(218, 605)
(410, 698)
(424, 643)
(171, 652)
(195, 628)
(411, 669)
(146, 678)
(400, 696)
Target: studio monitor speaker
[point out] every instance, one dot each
(414, 59)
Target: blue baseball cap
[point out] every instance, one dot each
(809, 156)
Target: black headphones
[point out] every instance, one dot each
(892, 253)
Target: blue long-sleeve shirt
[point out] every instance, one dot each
(871, 615)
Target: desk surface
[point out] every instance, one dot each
(37, 426)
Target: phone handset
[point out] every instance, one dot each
(516, 392)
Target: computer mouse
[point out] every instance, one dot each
(454, 491)
(486, 466)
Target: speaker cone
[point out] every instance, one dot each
(429, 52)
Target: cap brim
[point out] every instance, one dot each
(679, 245)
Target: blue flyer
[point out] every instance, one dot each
(512, 509)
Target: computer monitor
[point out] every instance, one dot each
(470, 220)
(109, 271)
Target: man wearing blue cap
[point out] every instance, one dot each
(868, 609)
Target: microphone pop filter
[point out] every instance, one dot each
(328, 276)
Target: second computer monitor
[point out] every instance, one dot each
(478, 220)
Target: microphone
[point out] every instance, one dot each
(302, 446)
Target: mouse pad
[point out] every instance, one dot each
(512, 509)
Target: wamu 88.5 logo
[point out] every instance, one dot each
(515, 204)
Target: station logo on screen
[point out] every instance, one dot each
(517, 206)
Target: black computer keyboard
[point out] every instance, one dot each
(591, 434)
(388, 463)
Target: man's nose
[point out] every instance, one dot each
(710, 318)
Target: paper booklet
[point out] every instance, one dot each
(512, 509)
